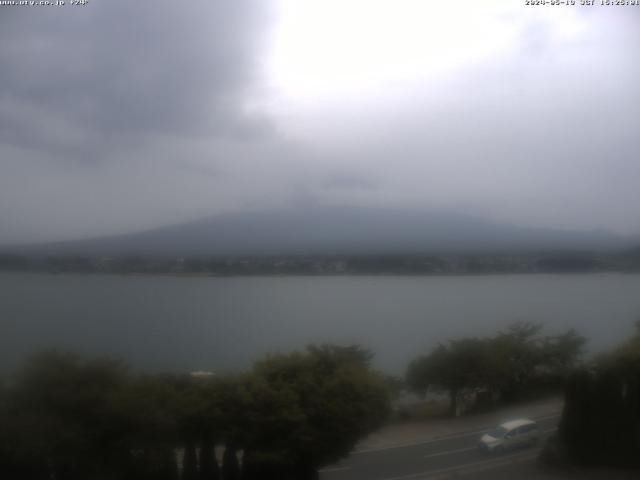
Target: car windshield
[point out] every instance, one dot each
(498, 432)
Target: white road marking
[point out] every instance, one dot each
(468, 468)
(450, 452)
(468, 449)
(463, 469)
(439, 439)
(480, 468)
(546, 417)
(335, 469)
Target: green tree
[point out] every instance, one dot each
(460, 365)
(150, 405)
(501, 365)
(230, 465)
(626, 354)
(518, 350)
(65, 414)
(209, 468)
(561, 352)
(601, 420)
(307, 409)
(424, 372)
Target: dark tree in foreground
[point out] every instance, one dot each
(309, 409)
(209, 469)
(68, 418)
(600, 423)
(601, 418)
(190, 462)
(65, 413)
(230, 466)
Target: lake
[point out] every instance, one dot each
(224, 324)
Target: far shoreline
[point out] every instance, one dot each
(311, 275)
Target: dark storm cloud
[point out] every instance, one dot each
(85, 81)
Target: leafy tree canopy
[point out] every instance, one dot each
(502, 363)
(310, 408)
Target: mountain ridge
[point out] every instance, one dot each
(333, 230)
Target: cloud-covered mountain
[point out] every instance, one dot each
(333, 230)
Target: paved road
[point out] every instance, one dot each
(454, 456)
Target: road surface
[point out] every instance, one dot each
(453, 456)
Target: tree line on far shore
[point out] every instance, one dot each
(363, 264)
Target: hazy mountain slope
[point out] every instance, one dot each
(334, 230)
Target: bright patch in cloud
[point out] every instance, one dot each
(329, 48)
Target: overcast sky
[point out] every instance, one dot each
(118, 116)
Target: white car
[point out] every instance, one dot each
(512, 434)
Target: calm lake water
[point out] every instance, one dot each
(223, 324)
